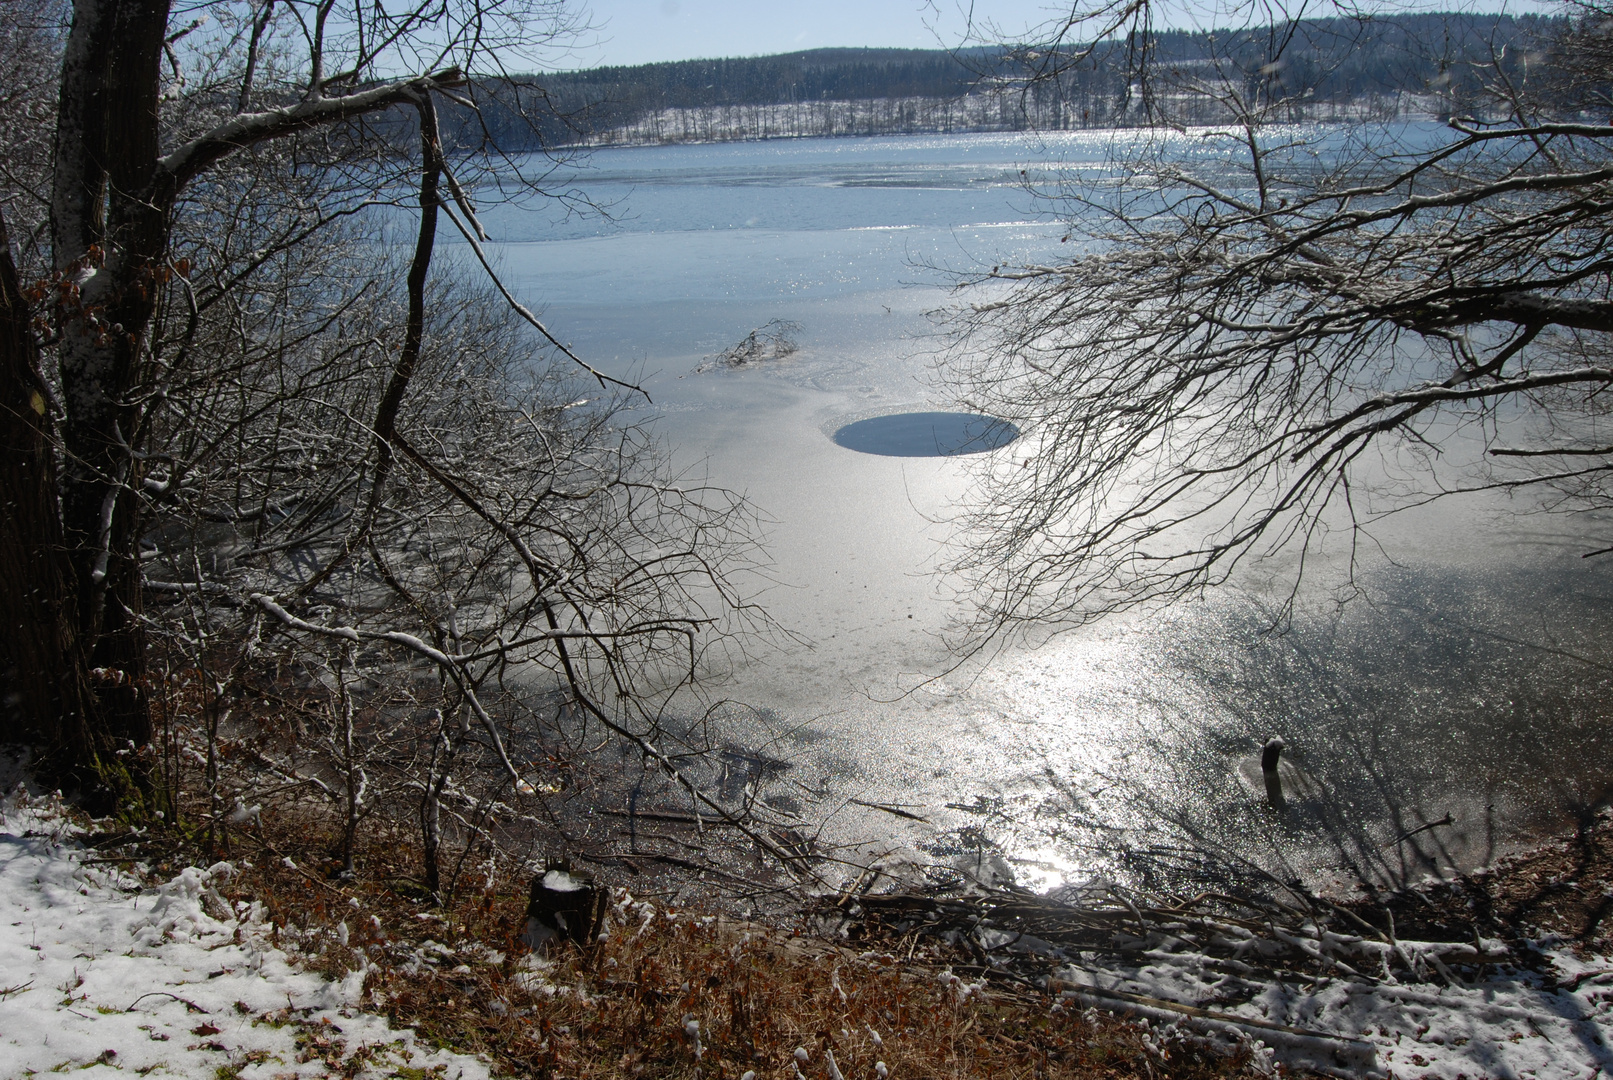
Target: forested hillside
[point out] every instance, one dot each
(1416, 63)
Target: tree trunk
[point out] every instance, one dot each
(109, 230)
(45, 697)
(72, 654)
(112, 198)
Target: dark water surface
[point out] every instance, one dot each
(926, 434)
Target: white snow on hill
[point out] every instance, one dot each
(101, 976)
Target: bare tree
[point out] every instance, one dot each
(31, 36)
(153, 110)
(377, 484)
(1256, 317)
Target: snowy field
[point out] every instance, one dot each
(101, 976)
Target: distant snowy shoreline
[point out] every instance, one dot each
(972, 114)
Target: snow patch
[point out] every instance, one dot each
(102, 975)
(560, 881)
(1513, 1022)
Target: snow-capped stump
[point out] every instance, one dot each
(564, 904)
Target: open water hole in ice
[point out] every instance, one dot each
(1467, 676)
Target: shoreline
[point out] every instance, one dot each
(1499, 972)
(605, 141)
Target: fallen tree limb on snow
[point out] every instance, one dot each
(1243, 935)
(1317, 1050)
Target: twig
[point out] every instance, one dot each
(191, 1005)
(674, 816)
(1446, 820)
(898, 811)
(293, 863)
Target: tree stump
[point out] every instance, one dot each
(1270, 759)
(564, 905)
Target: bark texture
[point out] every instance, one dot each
(109, 230)
(44, 696)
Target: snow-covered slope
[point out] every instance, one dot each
(101, 976)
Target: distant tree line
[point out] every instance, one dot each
(1331, 69)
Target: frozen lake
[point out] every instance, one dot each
(1468, 678)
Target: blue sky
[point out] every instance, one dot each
(642, 31)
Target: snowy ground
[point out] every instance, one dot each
(1510, 1024)
(102, 975)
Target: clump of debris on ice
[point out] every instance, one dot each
(100, 974)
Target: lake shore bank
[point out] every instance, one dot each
(1497, 972)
